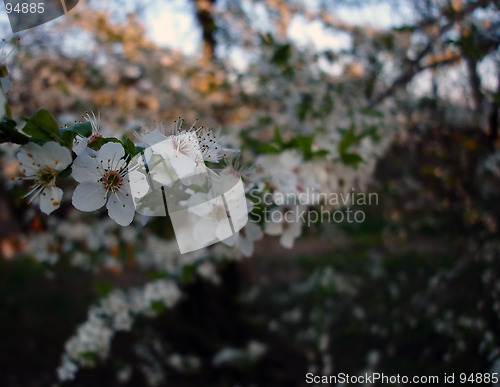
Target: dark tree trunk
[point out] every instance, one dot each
(475, 84)
(493, 118)
(205, 16)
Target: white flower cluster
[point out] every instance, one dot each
(229, 355)
(103, 171)
(116, 312)
(288, 175)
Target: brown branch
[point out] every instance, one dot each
(407, 76)
(415, 65)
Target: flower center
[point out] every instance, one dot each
(46, 175)
(219, 213)
(183, 144)
(112, 180)
(93, 142)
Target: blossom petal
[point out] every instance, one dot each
(80, 145)
(245, 246)
(204, 231)
(55, 155)
(121, 207)
(162, 173)
(139, 185)
(110, 154)
(28, 158)
(223, 229)
(232, 240)
(274, 226)
(6, 84)
(86, 169)
(289, 235)
(164, 148)
(153, 137)
(253, 232)
(50, 199)
(89, 197)
(183, 165)
(287, 240)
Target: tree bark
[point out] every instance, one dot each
(205, 11)
(475, 85)
(493, 118)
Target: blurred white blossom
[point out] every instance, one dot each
(42, 164)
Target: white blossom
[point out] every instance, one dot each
(185, 149)
(104, 180)
(279, 171)
(286, 223)
(245, 240)
(67, 369)
(164, 291)
(208, 271)
(42, 164)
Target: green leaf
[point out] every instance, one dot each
(130, 148)
(348, 139)
(258, 146)
(43, 127)
(268, 148)
(304, 144)
(321, 153)
(495, 97)
(266, 39)
(68, 138)
(351, 159)
(328, 104)
(4, 71)
(84, 129)
(103, 288)
(7, 110)
(104, 140)
(282, 54)
(372, 112)
(8, 132)
(278, 138)
(264, 120)
(158, 306)
(66, 173)
(157, 274)
(304, 106)
(89, 355)
(188, 272)
(9, 122)
(373, 133)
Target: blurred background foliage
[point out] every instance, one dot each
(412, 290)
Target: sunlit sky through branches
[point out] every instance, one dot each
(173, 25)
